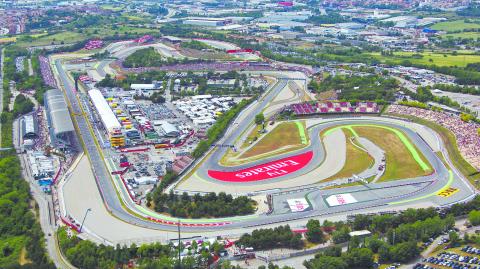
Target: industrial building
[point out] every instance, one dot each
(108, 118)
(29, 126)
(168, 129)
(60, 126)
(28, 130)
(203, 21)
(145, 89)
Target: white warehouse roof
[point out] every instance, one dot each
(360, 233)
(57, 109)
(143, 86)
(169, 129)
(110, 122)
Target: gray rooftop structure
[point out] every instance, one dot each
(29, 126)
(59, 122)
(170, 129)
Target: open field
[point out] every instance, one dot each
(132, 17)
(124, 29)
(69, 37)
(457, 25)
(357, 160)
(115, 7)
(429, 58)
(451, 145)
(400, 163)
(66, 37)
(287, 134)
(7, 39)
(473, 35)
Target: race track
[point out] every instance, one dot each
(300, 183)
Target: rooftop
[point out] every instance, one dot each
(58, 112)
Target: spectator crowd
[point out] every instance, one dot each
(47, 74)
(466, 133)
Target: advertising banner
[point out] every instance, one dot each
(265, 171)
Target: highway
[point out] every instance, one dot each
(418, 191)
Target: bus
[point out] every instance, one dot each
(161, 146)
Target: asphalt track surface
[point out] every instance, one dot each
(440, 177)
(423, 188)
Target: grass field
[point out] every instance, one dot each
(356, 162)
(66, 37)
(451, 145)
(457, 25)
(115, 7)
(470, 35)
(400, 163)
(108, 31)
(69, 37)
(7, 39)
(251, 136)
(133, 17)
(429, 58)
(286, 134)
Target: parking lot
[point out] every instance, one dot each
(469, 259)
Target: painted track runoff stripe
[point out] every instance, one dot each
(301, 131)
(401, 136)
(445, 187)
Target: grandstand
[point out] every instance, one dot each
(108, 118)
(303, 109)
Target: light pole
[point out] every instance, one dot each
(84, 217)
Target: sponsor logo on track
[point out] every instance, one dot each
(298, 205)
(265, 171)
(340, 199)
(448, 192)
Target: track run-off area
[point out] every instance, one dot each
(299, 173)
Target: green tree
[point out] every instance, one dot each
(359, 258)
(384, 254)
(259, 119)
(333, 251)
(326, 262)
(354, 242)
(281, 236)
(361, 222)
(454, 239)
(474, 217)
(374, 243)
(404, 252)
(341, 236)
(22, 105)
(314, 232)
